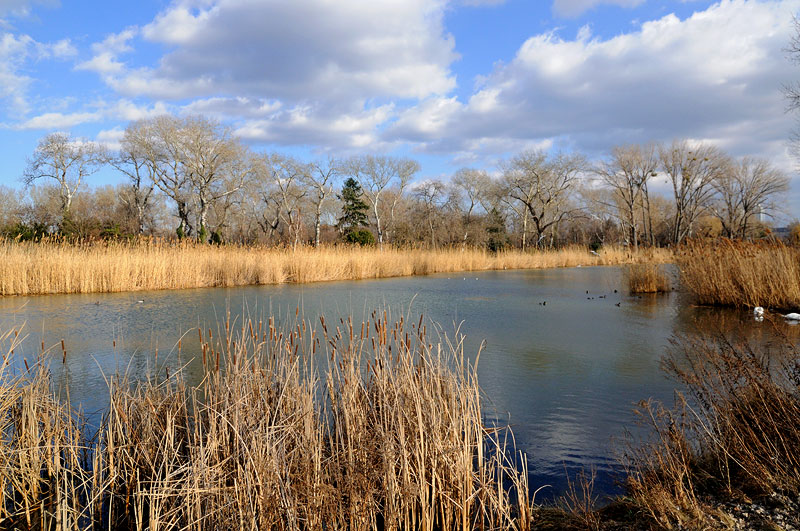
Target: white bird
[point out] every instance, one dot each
(594, 253)
(792, 316)
(758, 311)
(139, 302)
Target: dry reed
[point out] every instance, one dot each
(57, 267)
(647, 278)
(735, 273)
(343, 426)
(735, 434)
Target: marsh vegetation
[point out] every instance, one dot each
(59, 267)
(366, 425)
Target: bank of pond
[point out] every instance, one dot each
(512, 403)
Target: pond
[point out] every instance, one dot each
(567, 353)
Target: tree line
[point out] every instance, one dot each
(191, 177)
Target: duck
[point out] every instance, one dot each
(792, 316)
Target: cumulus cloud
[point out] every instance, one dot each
(111, 138)
(105, 59)
(716, 75)
(97, 111)
(57, 120)
(22, 7)
(350, 75)
(573, 8)
(301, 50)
(315, 125)
(15, 52)
(307, 71)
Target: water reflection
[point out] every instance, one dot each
(565, 374)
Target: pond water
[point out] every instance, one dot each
(566, 374)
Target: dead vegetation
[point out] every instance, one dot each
(647, 278)
(744, 274)
(734, 435)
(340, 426)
(102, 267)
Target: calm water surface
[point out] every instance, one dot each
(566, 375)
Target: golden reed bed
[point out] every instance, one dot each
(52, 267)
(386, 433)
(744, 274)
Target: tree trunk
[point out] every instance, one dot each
(317, 225)
(524, 230)
(378, 225)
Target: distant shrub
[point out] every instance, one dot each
(360, 237)
(23, 232)
(647, 278)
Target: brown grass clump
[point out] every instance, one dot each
(736, 273)
(735, 435)
(58, 267)
(647, 278)
(356, 427)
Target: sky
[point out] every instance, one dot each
(451, 83)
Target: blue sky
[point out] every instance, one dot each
(450, 82)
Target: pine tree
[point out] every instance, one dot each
(496, 227)
(354, 209)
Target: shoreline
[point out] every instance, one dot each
(28, 269)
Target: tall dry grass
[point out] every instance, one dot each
(737, 273)
(57, 267)
(734, 435)
(647, 278)
(375, 425)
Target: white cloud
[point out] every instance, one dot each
(715, 75)
(13, 85)
(306, 71)
(340, 52)
(477, 3)
(105, 59)
(15, 52)
(97, 111)
(22, 7)
(111, 138)
(57, 120)
(227, 108)
(573, 8)
(315, 125)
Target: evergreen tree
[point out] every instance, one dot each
(496, 227)
(354, 209)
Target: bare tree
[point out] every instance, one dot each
(282, 192)
(238, 173)
(691, 172)
(474, 185)
(792, 91)
(132, 161)
(430, 193)
(158, 141)
(320, 177)
(375, 175)
(750, 187)
(543, 185)
(626, 174)
(207, 149)
(65, 160)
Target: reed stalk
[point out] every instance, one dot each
(647, 278)
(375, 425)
(744, 274)
(48, 267)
